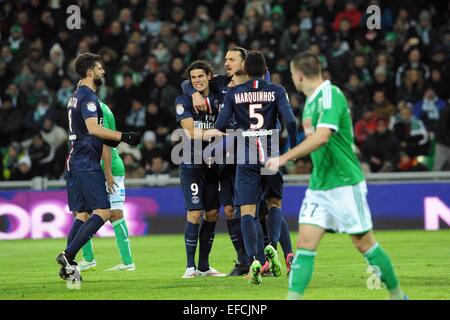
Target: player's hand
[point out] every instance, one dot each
(132, 138)
(111, 143)
(274, 163)
(110, 182)
(211, 133)
(199, 102)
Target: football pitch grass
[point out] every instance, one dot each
(28, 270)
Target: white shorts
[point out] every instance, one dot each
(343, 209)
(117, 197)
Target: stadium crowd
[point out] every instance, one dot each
(396, 78)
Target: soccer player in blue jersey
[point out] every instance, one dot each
(199, 180)
(255, 105)
(86, 184)
(221, 84)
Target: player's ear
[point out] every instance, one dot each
(209, 76)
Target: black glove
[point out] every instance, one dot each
(132, 138)
(111, 143)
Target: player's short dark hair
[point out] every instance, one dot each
(84, 62)
(255, 65)
(308, 63)
(241, 50)
(199, 64)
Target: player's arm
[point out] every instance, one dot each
(284, 107)
(198, 101)
(107, 168)
(226, 112)
(313, 142)
(109, 136)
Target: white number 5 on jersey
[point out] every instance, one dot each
(254, 115)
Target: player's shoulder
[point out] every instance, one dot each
(184, 99)
(275, 87)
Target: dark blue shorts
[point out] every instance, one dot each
(86, 190)
(200, 186)
(227, 174)
(251, 186)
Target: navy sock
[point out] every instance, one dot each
(274, 225)
(87, 231)
(234, 229)
(206, 238)
(264, 229)
(260, 242)
(190, 240)
(249, 234)
(285, 238)
(74, 230)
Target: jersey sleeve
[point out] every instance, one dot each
(284, 107)
(226, 112)
(183, 109)
(88, 107)
(109, 121)
(332, 107)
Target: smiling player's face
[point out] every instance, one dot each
(200, 80)
(233, 62)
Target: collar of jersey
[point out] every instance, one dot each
(316, 92)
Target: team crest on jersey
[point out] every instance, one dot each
(195, 200)
(91, 106)
(180, 109)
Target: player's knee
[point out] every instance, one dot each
(273, 202)
(229, 212)
(194, 217)
(116, 215)
(248, 210)
(212, 216)
(82, 216)
(306, 243)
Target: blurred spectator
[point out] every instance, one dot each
(439, 83)
(411, 89)
(151, 25)
(115, 38)
(410, 131)
(41, 155)
(149, 150)
(17, 98)
(365, 126)
(381, 148)
(442, 153)
(382, 82)
(359, 67)
(414, 63)
(10, 122)
(428, 109)
(34, 118)
(302, 166)
(176, 71)
(123, 98)
(23, 170)
(350, 13)
(381, 105)
(163, 93)
(132, 166)
(53, 134)
(135, 120)
(158, 166)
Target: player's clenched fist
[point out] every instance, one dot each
(132, 138)
(274, 163)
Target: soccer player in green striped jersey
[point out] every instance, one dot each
(114, 170)
(336, 197)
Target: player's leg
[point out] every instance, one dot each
(227, 200)
(314, 219)
(117, 200)
(88, 262)
(380, 262)
(357, 208)
(192, 187)
(92, 188)
(274, 220)
(303, 265)
(286, 244)
(79, 219)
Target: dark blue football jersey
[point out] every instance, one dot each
(85, 150)
(255, 106)
(202, 120)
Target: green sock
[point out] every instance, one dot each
(301, 272)
(123, 242)
(88, 251)
(376, 257)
